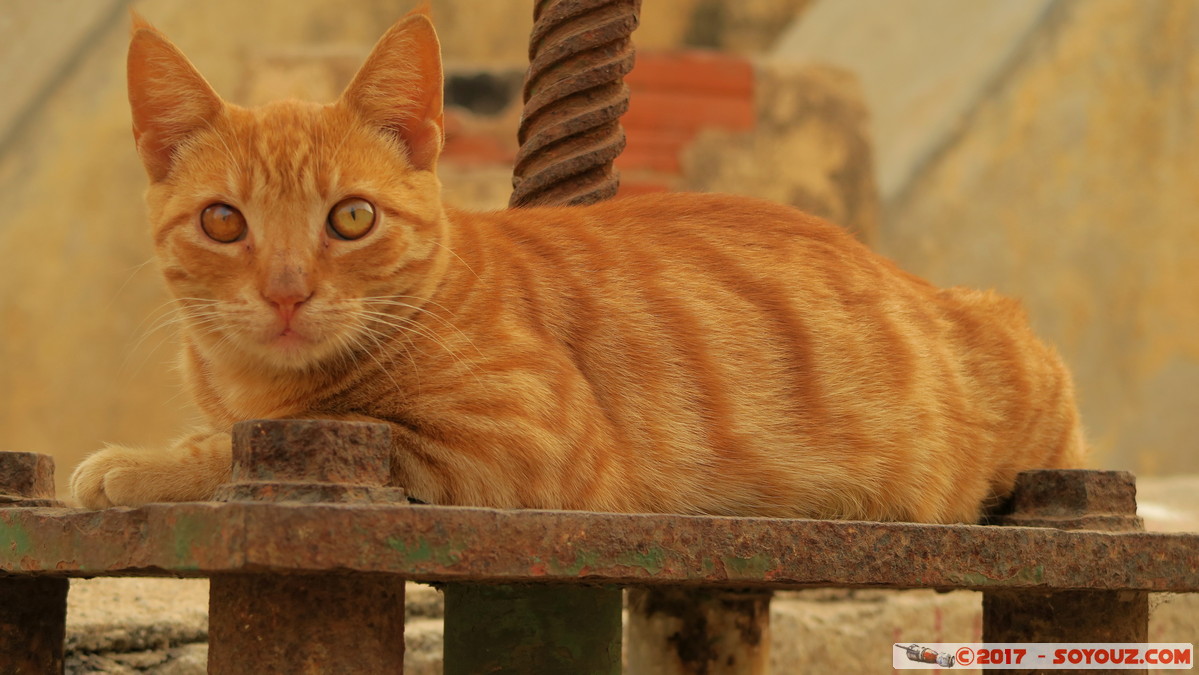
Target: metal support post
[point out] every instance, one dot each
(532, 630)
(574, 95)
(33, 612)
(307, 623)
(1070, 500)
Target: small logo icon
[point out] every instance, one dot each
(925, 655)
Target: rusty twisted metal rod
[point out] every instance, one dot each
(574, 93)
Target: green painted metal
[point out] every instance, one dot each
(532, 630)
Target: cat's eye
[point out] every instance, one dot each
(351, 218)
(223, 223)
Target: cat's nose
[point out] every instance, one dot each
(287, 303)
(286, 287)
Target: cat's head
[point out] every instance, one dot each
(295, 232)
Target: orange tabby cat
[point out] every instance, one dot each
(668, 353)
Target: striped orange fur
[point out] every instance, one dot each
(668, 353)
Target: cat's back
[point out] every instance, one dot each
(716, 238)
(721, 335)
(688, 222)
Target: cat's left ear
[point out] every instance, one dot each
(169, 98)
(399, 88)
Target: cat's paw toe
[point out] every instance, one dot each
(114, 476)
(89, 478)
(127, 486)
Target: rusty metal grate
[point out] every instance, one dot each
(271, 560)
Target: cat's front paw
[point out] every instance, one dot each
(89, 478)
(117, 476)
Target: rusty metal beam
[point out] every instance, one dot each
(432, 543)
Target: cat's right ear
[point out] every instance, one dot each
(399, 88)
(169, 98)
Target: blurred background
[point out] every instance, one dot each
(1048, 149)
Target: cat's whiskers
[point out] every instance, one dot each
(393, 300)
(202, 318)
(129, 354)
(379, 338)
(132, 273)
(407, 329)
(406, 324)
(404, 330)
(382, 299)
(370, 353)
(178, 307)
(175, 313)
(345, 348)
(409, 323)
(464, 263)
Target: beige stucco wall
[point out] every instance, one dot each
(1075, 185)
(1048, 149)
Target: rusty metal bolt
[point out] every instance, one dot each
(27, 479)
(574, 95)
(1069, 500)
(1074, 500)
(310, 461)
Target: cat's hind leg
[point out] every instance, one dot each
(190, 470)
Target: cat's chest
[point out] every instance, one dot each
(255, 403)
(241, 396)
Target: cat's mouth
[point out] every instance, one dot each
(291, 347)
(290, 338)
(297, 340)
